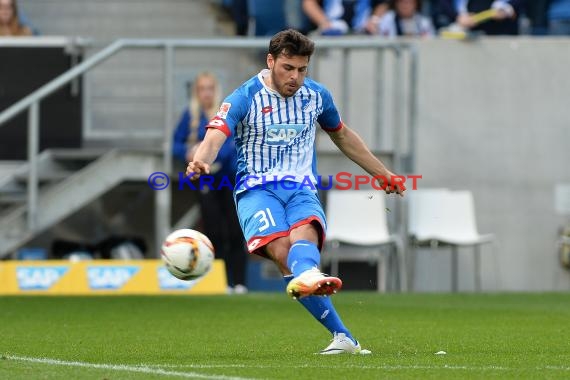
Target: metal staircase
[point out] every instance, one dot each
(68, 180)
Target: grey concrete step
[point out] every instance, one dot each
(12, 198)
(121, 18)
(78, 154)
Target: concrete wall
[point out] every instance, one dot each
(494, 118)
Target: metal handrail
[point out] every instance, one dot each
(113, 48)
(32, 101)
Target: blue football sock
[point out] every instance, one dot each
(303, 255)
(322, 309)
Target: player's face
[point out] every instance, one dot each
(205, 91)
(287, 73)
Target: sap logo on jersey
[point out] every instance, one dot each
(167, 281)
(39, 278)
(282, 134)
(110, 277)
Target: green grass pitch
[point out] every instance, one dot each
(268, 336)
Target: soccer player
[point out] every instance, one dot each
(273, 118)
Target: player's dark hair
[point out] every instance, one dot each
(291, 43)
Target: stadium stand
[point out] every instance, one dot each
(105, 20)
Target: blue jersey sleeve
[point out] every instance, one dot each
(329, 119)
(232, 111)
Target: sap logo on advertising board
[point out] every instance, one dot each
(110, 277)
(39, 278)
(166, 281)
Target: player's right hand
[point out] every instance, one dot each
(196, 168)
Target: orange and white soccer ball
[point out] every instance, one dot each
(187, 254)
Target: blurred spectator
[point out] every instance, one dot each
(260, 17)
(10, 24)
(404, 19)
(219, 215)
(461, 11)
(536, 11)
(267, 17)
(339, 17)
(379, 8)
(559, 17)
(240, 14)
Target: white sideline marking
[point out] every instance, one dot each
(556, 368)
(345, 366)
(158, 369)
(121, 367)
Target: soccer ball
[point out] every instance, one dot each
(187, 254)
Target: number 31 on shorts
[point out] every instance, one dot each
(265, 219)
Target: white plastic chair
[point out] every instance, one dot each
(359, 219)
(424, 212)
(442, 216)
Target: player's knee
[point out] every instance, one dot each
(278, 250)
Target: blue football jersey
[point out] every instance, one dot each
(275, 135)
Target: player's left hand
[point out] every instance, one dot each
(395, 184)
(397, 188)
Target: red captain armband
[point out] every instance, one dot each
(219, 124)
(335, 129)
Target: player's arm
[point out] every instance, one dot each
(352, 145)
(206, 153)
